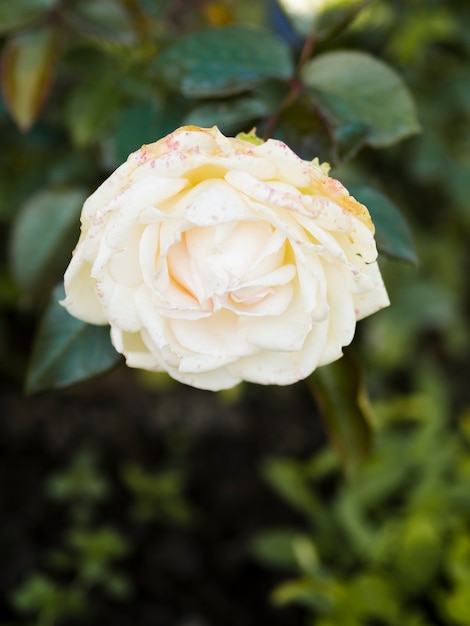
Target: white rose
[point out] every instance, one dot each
(218, 260)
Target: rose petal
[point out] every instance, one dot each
(217, 335)
(341, 317)
(270, 193)
(212, 202)
(250, 301)
(214, 380)
(290, 168)
(282, 368)
(81, 299)
(124, 266)
(367, 303)
(134, 349)
(282, 334)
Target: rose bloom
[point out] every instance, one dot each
(220, 259)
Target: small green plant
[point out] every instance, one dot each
(158, 495)
(391, 546)
(49, 601)
(82, 486)
(86, 559)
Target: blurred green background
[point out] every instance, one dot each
(130, 499)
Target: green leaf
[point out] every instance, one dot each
(20, 13)
(392, 233)
(97, 544)
(224, 61)
(251, 137)
(158, 495)
(43, 236)
(135, 126)
(339, 390)
(143, 123)
(356, 88)
(310, 592)
(285, 548)
(419, 553)
(301, 129)
(336, 16)
(368, 597)
(227, 115)
(105, 21)
(350, 138)
(456, 605)
(80, 481)
(287, 478)
(91, 109)
(52, 603)
(27, 67)
(67, 350)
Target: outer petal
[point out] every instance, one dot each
(367, 303)
(217, 335)
(134, 349)
(81, 299)
(215, 380)
(282, 368)
(341, 317)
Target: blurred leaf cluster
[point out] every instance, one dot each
(88, 558)
(391, 546)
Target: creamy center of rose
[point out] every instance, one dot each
(240, 266)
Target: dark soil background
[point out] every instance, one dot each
(199, 575)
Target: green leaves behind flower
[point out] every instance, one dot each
(354, 88)
(90, 110)
(105, 22)
(228, 115)
(224, 61)
(43, 237)
(392, 232)
(67, 350)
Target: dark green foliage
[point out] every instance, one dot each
(22, 13)
(46, 228)
(392, 232)
(67, 350)
(224, 61)
(391, 545)
(88, 553)
(356, 88)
